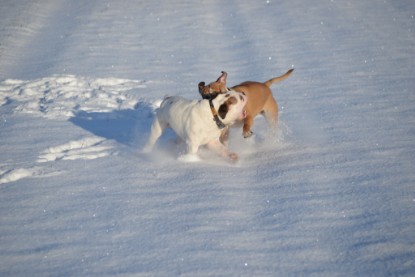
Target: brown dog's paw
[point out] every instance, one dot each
(247, 134)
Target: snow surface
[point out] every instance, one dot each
(332, 195)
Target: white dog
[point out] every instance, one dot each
(199, 122)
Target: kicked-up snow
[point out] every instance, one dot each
(332, 194)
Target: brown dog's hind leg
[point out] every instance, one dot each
(272, 119)
(270, 113)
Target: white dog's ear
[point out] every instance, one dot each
(222, 78)
(224, 108)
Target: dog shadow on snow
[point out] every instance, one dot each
(130, 127)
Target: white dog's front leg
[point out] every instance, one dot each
(221, 149)
(192, 148)
(191, 155)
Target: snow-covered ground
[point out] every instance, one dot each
(332, 195)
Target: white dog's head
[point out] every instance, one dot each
(230, 106)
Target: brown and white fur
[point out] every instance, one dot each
(260, 99)
(193, 122)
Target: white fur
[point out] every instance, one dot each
(193, 122)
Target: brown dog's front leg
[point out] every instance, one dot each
(249, 120)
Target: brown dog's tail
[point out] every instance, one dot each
(279, 78)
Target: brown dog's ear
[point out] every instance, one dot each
(201, 87)
(205, 91)
(222, 78)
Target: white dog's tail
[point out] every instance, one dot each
(156, 104)
(165, 100)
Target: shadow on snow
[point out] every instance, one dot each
(129, 127)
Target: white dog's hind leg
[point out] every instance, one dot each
(157, 129)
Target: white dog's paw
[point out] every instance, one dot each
(189, 158)
(233, 157)
(145, 151)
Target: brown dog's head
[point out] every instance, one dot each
(213, 89)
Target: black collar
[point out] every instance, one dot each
(215, 115)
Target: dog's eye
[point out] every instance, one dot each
(240, 97)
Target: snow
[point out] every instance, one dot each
(331, 195)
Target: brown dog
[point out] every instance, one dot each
(260, 99)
